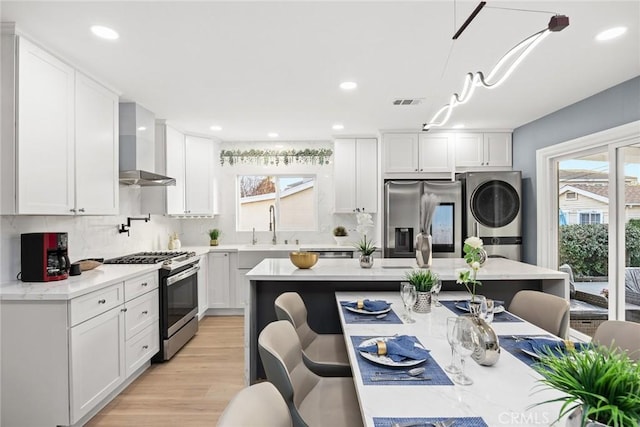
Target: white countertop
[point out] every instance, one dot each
(75, 286)
(395, 269)
(267, 247)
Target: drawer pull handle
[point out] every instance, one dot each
(124, 310)
(102, 301)
(144, 347)
(145, 312)
(144, 284)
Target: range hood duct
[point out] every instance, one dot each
(137, 148)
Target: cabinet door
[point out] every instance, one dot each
(218, 289)
(97, 360)
(240, 288)
(469, 150)
(497, 149)
(175, 169)
(366, 175)
(45, 147)
(344, 162)
(203, 285)
(96, 148)
(400, 152)
(436, 152)
(198, 175)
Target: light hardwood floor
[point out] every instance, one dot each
(192, 389)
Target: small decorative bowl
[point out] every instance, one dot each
(304, 259)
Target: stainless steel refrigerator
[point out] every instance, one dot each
(402, 217)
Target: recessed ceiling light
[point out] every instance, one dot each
(104, 32)
(272, 135)
(142, 128)
(279, 146)
(215, 128)
(348, 85)
(611, 33)
(458, 126)
(337, 126)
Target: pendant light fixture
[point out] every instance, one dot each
(500, 72)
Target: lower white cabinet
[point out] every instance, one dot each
(203, 285)
(68, 356)
(219, 289)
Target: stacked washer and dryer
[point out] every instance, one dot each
(493, 211)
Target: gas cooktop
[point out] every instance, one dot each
(152, 257)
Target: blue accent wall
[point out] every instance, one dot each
(613, 107)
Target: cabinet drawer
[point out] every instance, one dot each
(141, 312)
(140, 285)
(142, 347)
(90, 305)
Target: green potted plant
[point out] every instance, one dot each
(214, 233)
(340, 235)
(366, 248)
(423, 280)
(601, 386)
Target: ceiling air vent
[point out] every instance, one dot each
(408, 101)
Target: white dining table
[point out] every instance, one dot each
(502, 394)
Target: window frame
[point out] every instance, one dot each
(277, 200)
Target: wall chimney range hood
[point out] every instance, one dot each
(137, 148)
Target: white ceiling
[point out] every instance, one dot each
(259, 67)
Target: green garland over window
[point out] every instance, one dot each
(319, 156)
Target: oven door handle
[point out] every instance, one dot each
(183, 275)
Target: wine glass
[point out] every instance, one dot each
(478, 306)
(409, 295)
(435, 291)
(490, 311)
(465, 341)
(453, 367)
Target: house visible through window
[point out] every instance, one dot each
(293, 199)
(590, 218)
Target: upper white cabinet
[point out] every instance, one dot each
(483, 150)
(413, 152)
(355, 174)
(96, 148)
(190, 160)
(59, 136)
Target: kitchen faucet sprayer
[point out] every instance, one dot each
(272, 223)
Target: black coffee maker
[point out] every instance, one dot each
(44, 257)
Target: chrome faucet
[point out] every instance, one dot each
(253, 236)
(272, 223)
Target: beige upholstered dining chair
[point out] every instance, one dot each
(546, 311)
(312, 400)
(324, 354)
(624, 335)
(260, 405)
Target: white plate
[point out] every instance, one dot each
(530, 353)
(384, 360)
(361, 311)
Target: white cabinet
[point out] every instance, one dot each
(97, 360)
(203, 285)
(483, 150)
(413, 152)
(72, 356)
(219, 289)
(356, 175)
(59, 134)
(190, 160)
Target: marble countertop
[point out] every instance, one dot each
(264, 247)
(395, 269)
(75, 286)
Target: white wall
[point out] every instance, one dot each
(89, 236)
(194, 230)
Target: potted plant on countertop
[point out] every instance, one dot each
(366, 248)
(214, 233)
(424, 280)
(601, 386)
(340, 235)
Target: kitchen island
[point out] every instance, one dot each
(501, 279)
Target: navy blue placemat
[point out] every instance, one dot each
(505, 316)
(509, 343)
(351, 317)
(460, 421)
(369, 369)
